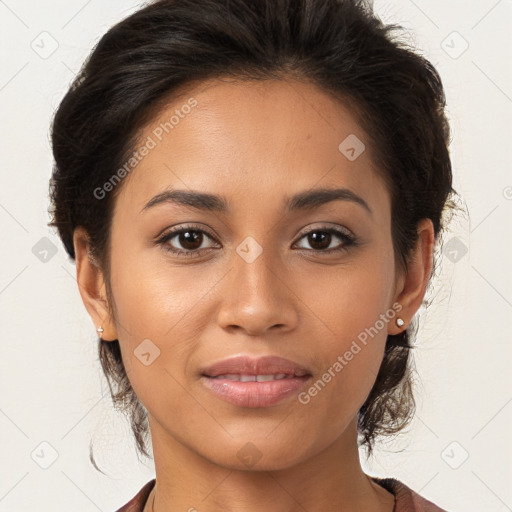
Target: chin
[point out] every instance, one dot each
(260, 454)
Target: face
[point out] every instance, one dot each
(263, 265)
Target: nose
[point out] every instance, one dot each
(257, 298)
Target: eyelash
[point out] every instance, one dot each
(347, 240)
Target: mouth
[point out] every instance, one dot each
(249, 382)
(254, 378)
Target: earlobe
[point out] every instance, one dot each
(91, 286)
(416, 279)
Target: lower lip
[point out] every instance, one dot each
(254, 394)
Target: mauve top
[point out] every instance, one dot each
(406, 500)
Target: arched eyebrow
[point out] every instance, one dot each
(320, 196)
(308, 199)
(193, 198)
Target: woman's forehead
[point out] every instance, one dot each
(259, 136)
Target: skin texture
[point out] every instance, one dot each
(255, 144)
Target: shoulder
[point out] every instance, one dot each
(136, 504)
(406, 500)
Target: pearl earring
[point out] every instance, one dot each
(400, 322)
(99, 330)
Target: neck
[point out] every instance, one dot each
(330, 480)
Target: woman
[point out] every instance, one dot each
(252, 192)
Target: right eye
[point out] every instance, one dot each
(187, 241)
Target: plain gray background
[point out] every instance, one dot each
(53, 398)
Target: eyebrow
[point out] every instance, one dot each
(199, 200)
(302, 201)
(317, 197)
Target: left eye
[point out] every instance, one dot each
(323, 239)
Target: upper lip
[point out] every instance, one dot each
(245, 365)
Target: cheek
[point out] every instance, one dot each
(348, 307)
(158, 331)
(159, 318)
(152, 296)
(347, 300)
(351, 360)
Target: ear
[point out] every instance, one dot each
(91, 285)
(413, 284)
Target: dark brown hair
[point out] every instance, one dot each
(342, 47)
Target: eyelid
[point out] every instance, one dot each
(328, 228)
(184, 227)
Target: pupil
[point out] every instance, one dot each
(321, 239)
(191, 239)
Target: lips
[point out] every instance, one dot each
(262, 366)
(253, 378)
(249, 382)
